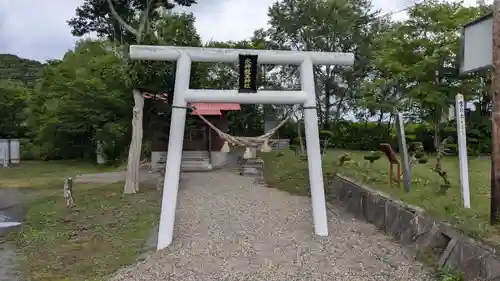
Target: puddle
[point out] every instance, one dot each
(12, 213)
(6, 223)
(9, 261)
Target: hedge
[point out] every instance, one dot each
(368, 136)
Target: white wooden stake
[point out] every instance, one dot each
(462, 149)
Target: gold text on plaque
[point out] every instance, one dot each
(247, 73)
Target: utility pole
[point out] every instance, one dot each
(495, 117)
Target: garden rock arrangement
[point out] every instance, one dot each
(410, 225)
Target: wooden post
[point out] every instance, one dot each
(394, 178)
(68, 192)
(393, 160)
(399, 173)
(390, 173)
(495, 155)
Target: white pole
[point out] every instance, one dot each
(313, 150)
(403, 150)
(462, 148)
(174, 153)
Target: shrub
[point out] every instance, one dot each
(344, 158)
(423, 160)
(28, 150)
(373, 156)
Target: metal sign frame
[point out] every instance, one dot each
(463, 50)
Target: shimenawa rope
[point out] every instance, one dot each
(262, 141)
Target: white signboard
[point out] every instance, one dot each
(4, 153)
(15, 153)
(462, 149)
(9, 152)
(477, 45)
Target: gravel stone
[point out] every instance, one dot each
(230, 228)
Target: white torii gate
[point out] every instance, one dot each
(183, 95)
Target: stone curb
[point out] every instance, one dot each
(412, 226)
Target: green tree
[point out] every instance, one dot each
(115, 19)
(18, 69)
(120, 16)
(172, 29)
(425, 51)
(382, 90)
(81, 100)
(13, 96)
(329, 26)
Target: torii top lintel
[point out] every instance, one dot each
(172, 53)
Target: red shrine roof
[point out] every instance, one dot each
(201, 108)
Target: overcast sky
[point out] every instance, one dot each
(37, 29)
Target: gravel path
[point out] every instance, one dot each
(115, 177)
(229, 228)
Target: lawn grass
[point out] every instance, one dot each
(286, 171)
(104, 232)
(45, 174)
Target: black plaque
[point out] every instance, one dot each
(248, 74)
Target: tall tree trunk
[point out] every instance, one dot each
(437, 133)
(328, 105)
(389, 124)
(337, 110)
(440, 147)
(439, 167)
(134, 154)
(380, 117)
